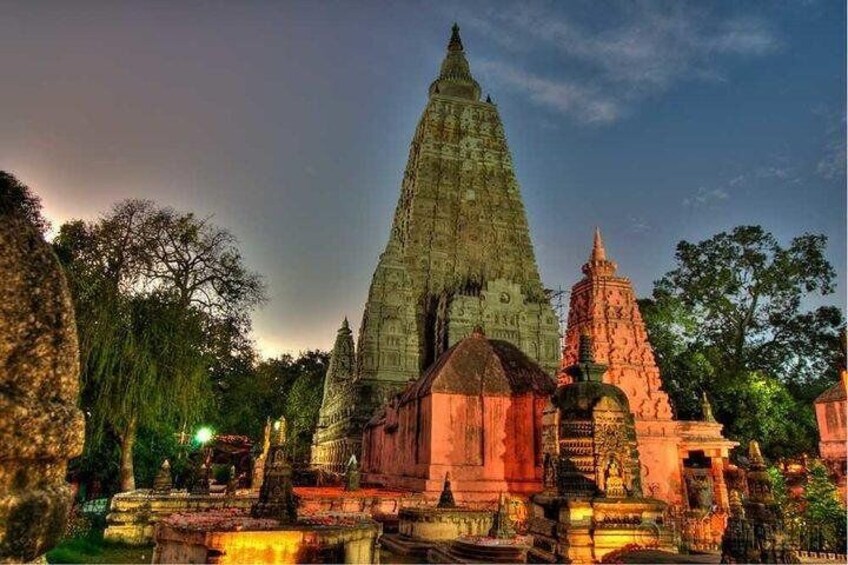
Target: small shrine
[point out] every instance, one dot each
(476, 414)
(421, 528)
(276, 497)
(593, 501)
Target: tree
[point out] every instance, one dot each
(729, 320)
(19, 200)
(161, 298)
(283, 386)
(823, 512)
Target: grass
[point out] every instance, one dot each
(93, 549)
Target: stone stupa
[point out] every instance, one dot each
(598, 505)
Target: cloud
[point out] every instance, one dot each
(618, 55)
(585, 103)
(704, 197)
(639, 225)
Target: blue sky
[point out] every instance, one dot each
(290, 123)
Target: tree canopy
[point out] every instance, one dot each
(730, 320)
(162, 298)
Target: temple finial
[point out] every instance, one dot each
(598, 251)
(754, 454)
(455, 78)
(455, 43)
(345, 324)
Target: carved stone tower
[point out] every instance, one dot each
(338, 432)
(604, 307)
(459, 253)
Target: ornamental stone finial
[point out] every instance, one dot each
(446, 499)
(598, 251)
(455, 43)
(707, 408)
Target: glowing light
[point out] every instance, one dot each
(204, 435)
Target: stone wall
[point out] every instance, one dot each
(133, 515)
(41, 427)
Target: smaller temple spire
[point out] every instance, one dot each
(598, 264)
(598, 251)
(446, 499)
(586, 369)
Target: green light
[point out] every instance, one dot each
(203, 435)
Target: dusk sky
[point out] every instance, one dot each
(290, 123)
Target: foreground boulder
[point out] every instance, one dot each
(40, 425)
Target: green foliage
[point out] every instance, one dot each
(824, 512)
(162, 301)
(93, 549)
(283, 386)
(728, 321)
(821, 497)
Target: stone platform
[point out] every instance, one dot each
(133, 515)
(233, 536)
(481, 550)
(422, 528)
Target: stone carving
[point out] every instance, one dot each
(446, 499)
(40, 427)
(352, 474)
(163, 483)
(276, 497)
(604, 305)
(232, 482)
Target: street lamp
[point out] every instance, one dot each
(204, 435)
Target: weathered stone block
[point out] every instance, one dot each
(40, 427)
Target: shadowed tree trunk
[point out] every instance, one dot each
(127, 443)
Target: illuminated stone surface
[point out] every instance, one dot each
(830, 416)
(597, 505)
(682, 462)
(227, 536)
(459, 255)
(133, 515)
(477, 414)
(40, 425)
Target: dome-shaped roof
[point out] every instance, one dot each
(581, 398)
(477, 365)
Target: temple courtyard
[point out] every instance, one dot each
(471, 414)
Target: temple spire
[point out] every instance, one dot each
(598, 251)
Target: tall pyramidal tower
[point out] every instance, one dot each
(459, 255)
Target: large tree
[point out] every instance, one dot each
(162, 297)
(730, 320)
